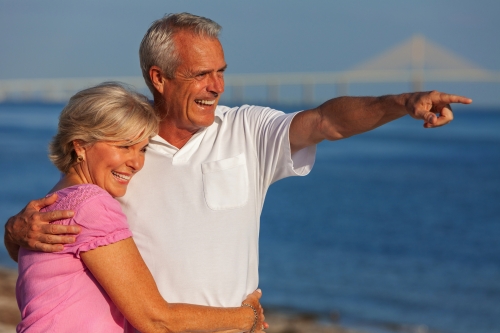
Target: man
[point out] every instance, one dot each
(195, 208)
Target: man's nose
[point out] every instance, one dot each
(216, 84)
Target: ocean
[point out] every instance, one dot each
(395, 230)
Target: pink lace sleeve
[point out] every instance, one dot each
(102, 222)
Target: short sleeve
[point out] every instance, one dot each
(102, 223)
(271, 131)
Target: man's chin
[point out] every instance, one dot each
(206, 122)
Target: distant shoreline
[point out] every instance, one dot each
(284, 106)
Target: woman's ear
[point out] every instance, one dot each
(79, 148)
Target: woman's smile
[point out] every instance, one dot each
(111, 165)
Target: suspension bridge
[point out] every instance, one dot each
(415, 61)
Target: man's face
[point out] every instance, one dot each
(192, 95)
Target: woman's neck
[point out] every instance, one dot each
(69, 179)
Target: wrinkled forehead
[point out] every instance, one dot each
(187, 40)
(195, 49)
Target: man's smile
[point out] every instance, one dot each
(204, 102)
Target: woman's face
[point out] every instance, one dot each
(111, 165)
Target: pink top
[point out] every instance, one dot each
(55, 291)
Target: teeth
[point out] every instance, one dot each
(204, 102)
(119, 175)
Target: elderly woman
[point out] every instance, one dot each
(96, 283)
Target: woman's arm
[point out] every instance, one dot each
(121, 271)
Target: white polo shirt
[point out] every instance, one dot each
(195, 211)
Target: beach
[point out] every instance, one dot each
(9, 313)
(280, 322)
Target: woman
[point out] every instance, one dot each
(94, 283)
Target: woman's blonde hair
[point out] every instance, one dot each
(107, 112)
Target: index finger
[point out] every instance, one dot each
(448, 98)
(55, 215)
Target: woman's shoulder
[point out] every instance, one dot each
(98, 214)
(72, 197)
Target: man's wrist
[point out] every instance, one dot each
(10, 244)
(403, 100)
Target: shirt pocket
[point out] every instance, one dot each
(225, 183)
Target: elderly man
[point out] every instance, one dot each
(195, 208)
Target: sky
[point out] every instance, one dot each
(96, 38)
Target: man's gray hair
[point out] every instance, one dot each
(158, 47)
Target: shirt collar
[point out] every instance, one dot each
(218, 112)
(159, 140)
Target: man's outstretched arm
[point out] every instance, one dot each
(343, 117)
(32, 230)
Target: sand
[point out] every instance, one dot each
(9, 313)
(279, 321)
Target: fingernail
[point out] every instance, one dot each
(260, 291)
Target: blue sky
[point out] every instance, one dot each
(63, 38)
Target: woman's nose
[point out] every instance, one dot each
(136, 161)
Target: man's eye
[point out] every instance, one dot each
(201, 76)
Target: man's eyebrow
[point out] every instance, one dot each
(208, 71)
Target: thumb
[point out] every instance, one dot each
(429, 118)
(40, 203)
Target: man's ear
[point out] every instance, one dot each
(157, 78)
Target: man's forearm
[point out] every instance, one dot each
(347, 116)
(342, 117)
(10, 245)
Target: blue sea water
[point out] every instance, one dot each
(396, 230)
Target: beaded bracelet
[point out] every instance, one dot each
(256, 317)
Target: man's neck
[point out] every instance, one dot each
(174, 135)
